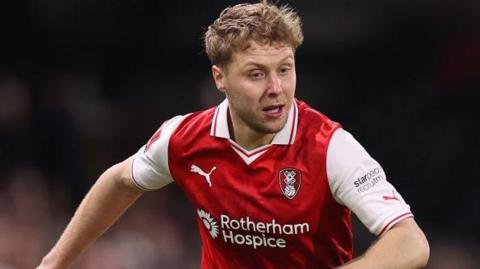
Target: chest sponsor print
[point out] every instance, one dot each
(248, 232)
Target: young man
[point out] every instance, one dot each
(273, 180)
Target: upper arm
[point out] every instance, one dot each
(410, 225)
(409, 231)
(359, 182)
(125, 174)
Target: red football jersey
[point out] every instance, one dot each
(283, 205)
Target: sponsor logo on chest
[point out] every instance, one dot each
(245, 231)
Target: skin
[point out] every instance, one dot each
(403, 246)
(257, 79)
(107, 200)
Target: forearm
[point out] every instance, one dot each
(402, 247)
(109, 197)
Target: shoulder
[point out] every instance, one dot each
(314, 122)
(179, 125)
(195, 122)
(192, 126)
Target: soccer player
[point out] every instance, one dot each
(274, 181)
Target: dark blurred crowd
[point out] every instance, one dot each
(83, 85)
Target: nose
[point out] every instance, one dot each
(274, 85)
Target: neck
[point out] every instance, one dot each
(246, 137)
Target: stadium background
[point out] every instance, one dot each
(83, 84)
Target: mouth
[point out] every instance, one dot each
(274, 111)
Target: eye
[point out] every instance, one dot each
(256, 75)
(284, 70)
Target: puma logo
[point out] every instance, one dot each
(386, 198)
(198, 170)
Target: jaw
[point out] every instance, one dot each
(268, 120)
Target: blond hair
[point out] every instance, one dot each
(263, 22)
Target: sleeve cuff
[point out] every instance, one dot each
(394, 221)
(140, 186)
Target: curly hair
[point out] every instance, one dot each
(263, 22)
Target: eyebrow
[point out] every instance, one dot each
(263, 66)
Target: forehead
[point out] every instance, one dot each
(257, 53)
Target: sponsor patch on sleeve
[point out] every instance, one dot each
(369, 180)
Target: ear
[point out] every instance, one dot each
(218, 77)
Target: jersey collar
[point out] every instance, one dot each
(286, 136)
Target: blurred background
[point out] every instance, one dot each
(84, 84)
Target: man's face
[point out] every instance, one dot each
(260, 86)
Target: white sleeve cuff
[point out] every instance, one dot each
(145, 172)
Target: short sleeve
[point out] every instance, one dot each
(150, 170)
(359, 182)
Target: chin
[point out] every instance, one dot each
(272, 128)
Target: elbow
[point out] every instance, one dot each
(425, 255)
(420, 249)
(423, 252)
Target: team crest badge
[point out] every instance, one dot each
(290, 180)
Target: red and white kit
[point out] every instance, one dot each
(283, 205)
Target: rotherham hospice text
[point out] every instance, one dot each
(229, 225)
